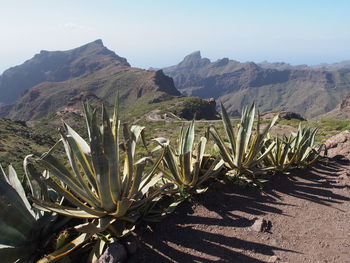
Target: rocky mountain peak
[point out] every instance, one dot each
(98, 42)
(57, 66)
(193, 60)
(196, 55)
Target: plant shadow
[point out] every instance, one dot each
(203, 231)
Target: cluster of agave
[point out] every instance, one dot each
(107, 187)
(250, 155)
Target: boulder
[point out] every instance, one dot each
(338, 146)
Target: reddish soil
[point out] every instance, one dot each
(309, 211)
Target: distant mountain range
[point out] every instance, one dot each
(51, 80)
(311, 91)
(55, 82)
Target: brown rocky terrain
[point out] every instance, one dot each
(341, 111)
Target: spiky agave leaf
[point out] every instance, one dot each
(246, 151)
(17, 220)
(184, 167)
(304, 150)
(97, 186)
(296, 151)
(278, 157)
(66, 249)
(23, 230)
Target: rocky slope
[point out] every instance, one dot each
(17, 140)
(341, 111)
(273, 86)
(49, 81)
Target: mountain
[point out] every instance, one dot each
(56, 66)
(310, 91)
(47, 83)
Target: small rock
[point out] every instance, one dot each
(261, 225)
(114, 253)
(273, 259)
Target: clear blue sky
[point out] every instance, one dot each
(158, 33)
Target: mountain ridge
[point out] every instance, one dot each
(307, 90)
(51, 78)
(56, 66)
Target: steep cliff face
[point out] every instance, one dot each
(132, 84)
(56, 66)
(273, 86)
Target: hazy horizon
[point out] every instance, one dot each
(160, 33)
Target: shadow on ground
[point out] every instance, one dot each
(314, 184)
(204, 231)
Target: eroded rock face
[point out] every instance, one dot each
(338, 146)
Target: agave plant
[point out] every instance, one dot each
(98, 186)
(304, 150)
(279, 156)
(184, 167)
(25, 231)
(296, 151)
(244, 153)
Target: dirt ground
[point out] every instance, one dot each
(309, 211)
